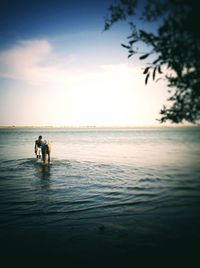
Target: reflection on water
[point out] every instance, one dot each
(42, 171)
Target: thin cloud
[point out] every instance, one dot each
(35, 62)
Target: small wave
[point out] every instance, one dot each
(72, 211)
(150, 180)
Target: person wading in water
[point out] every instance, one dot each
(46, 150)
(38, 147)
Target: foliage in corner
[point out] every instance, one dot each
(173, 48)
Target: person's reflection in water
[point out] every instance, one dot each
(43, 172)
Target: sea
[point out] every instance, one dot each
(110, 197)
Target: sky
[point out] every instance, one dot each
(59, 68)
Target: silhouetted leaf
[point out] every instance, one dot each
(125, 46)
(144, 56)
(146, 79)
(154, 73)
(156, 61)
(130, 55)
(131, 52)
(107, 26)
(159, 70)
(146, 70)
(132, 42)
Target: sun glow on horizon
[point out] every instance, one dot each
(51, 92)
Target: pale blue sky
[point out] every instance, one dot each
(58, 67)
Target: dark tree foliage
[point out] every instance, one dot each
(173, 49)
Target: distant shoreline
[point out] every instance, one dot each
(100, 127)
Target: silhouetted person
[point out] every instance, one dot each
(46, 150)
(38, 147)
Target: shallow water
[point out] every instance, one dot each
(109, 196)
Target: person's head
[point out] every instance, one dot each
(40, 137)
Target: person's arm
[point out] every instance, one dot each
(49, 151)
(35, 147)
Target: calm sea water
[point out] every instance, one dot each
(109, 197)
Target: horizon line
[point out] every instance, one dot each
(103, 126)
